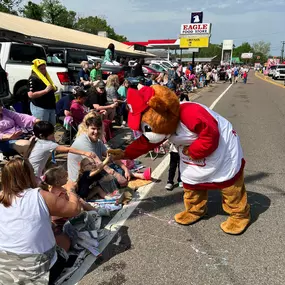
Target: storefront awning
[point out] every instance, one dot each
(44, 33)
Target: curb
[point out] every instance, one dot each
(268, 80)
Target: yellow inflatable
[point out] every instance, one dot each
(45, 79)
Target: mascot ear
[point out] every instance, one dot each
(164, 101)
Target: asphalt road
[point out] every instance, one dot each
(151, 249)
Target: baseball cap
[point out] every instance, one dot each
(137, 101)
(101, 85)
(175, 64)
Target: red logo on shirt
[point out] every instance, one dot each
(234, 132)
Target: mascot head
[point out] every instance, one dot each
(155, 112)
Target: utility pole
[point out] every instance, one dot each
(282, 51)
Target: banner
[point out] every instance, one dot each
(228, 44)
(194, 42)
(247, 55)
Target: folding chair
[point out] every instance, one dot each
(64, 125)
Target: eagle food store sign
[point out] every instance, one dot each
(195, 35)
(195, 29)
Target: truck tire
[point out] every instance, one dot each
(21, 96)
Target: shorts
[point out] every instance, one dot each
(43, 114)
(7, 146)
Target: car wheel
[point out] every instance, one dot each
(21, 96)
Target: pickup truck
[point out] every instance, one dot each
(5, 95)
(73, 57)
(16, 59)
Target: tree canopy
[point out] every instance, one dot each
(53, 12)
(10, 6)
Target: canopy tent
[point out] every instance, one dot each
(48, 34)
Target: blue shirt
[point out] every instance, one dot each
(83, 74)
(63, 104)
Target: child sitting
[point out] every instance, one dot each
(43, 145)
(77, 108)
(89, 175)
(56, 178)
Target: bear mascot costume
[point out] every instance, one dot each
(210, 152)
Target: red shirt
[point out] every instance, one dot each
(77, 111)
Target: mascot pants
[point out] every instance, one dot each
(234, 202)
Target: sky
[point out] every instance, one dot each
(141, 20)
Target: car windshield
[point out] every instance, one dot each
(26, 53)
(152, 69)
(166, 64)
(158, 67)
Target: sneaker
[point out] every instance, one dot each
(169, 186)
(124, 124)
(181, 184)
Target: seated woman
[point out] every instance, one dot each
(89, 139)
(13, 126)
(27, 243)
(112, 86)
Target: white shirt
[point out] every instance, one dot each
(40, 155)
(222, 165)
(25, 226)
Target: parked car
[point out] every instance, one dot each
(166, 63)
(279, 72)
(73, 57)
(16, 59)
(149, 71)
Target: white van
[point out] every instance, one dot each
(279, 72)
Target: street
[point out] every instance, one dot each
(150, 248)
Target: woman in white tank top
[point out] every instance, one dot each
(27, 243)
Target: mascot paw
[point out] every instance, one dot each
(186, 218)
(235, 226)
(116, 154)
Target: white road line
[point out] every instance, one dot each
(120, 218)
(219, 98)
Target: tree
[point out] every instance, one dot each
(95, 24)
(8, 6)
(243, 48)
(67, 19)
(52, 10)
(211, 51)
(33, 11)
(261, 47)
